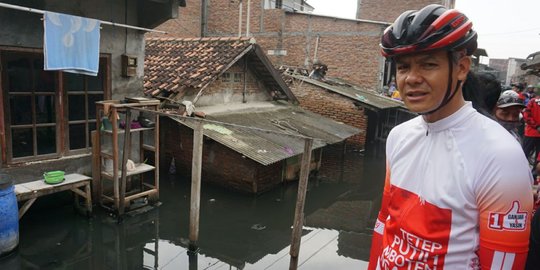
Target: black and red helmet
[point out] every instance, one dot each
(433, 27)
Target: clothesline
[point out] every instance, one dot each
(39, 11)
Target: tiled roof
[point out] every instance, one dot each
(172, 64)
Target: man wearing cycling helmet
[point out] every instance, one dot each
(457, 192)
(507, 112)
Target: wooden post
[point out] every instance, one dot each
(96, 176)
(300, 201)
(195, 186)
(193, 260)
(125, 157)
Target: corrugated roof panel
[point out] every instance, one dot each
(366, 97)
(265, 147)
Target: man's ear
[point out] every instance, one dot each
(463, 67)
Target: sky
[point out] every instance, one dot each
(506, 28)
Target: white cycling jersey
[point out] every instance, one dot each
(457, 196)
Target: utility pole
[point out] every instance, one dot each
(247, 17)
(240, 18)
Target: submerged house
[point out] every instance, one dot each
(46, 116)
(231, 82)
(349, 103)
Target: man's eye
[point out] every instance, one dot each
(401, 67)
(430, 65)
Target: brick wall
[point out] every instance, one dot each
(187, 25)
(334, 106)
(389, 10)
(348, 47)
(221, 165)
(223, 91)
(237, 87)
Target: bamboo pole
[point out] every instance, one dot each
(196, 167)
(300, 201)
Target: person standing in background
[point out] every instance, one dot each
(531, 140)
(507, 112)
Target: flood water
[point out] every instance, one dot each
(237, 231)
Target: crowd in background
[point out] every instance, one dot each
(516, 109)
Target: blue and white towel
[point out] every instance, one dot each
(71, 43)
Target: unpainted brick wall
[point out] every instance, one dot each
(252, 84)
(348, 47)
(334, 106)
(389, 10)
(187, 25)
(221, 165)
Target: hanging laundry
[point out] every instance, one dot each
(71, 43)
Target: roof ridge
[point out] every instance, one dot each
(202, 39)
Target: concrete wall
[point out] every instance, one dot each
(500, 65)
(514, 72)
(25, 30)
(334, 106)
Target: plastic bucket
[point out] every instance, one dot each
(9, 218)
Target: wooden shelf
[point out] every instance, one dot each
(107, 154)
(139, 168)
(148, 147)
(113, 151)
(121, 131)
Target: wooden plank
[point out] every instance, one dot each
(149, 147)
(300, 202)
(110, 132)
(125, 158)
(139, 168)
(107, 198)
(69, 179)
(79, 192)
(32, 190)
(114, 121)
(20, 189)
(88, 199)
(26, 206)
(39, 188)
(156, 154)
(196, 167)
(96, 179)
(140, 194)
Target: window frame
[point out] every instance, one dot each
(60, 98)
(66, 121)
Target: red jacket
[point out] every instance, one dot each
(531, 115)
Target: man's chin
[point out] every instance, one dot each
(417, 108)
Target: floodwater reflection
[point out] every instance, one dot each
(237, 231)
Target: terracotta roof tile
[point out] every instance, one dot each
(172, 64)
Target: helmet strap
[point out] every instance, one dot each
(449, 93)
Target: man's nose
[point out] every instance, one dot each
(413, 77)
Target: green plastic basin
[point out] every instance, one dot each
(54, 177)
